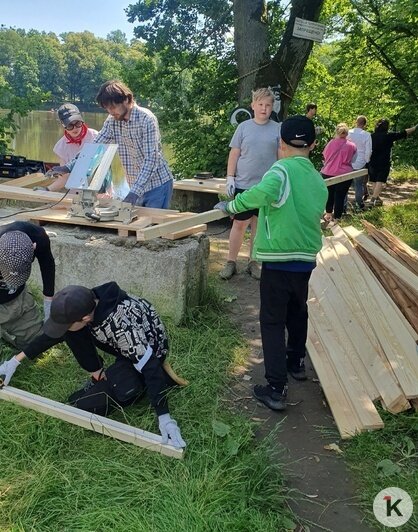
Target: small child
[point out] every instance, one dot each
(290, 198)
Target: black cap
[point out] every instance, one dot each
(68, 306)
(68, 113)
(298, 131)
(16, 256)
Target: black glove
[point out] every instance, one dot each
(57, 171)
(133, 198)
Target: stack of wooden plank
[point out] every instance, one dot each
(362, 347)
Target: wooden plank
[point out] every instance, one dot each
(349, 380)
(345, 177)
(180, 225)
(409, 278)
(30, 181)
(355, 322)
(22, 194)
(93, 422)
(186, 232)
(345, 416)
(211, 186)
(389, 325)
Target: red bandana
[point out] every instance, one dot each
(79, 139)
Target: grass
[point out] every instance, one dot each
(58, 477)
(403, 173)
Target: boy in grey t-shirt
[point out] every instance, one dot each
(254, 149)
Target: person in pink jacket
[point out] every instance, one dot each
(338, 155)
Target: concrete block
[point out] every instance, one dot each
(193, 201)
(172, 275)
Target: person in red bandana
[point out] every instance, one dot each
(76, 134)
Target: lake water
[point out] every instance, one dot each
(40, 130)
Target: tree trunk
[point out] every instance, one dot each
(286, 67)
(251, 43)
(255, 67)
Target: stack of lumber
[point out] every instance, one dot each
(360, 343)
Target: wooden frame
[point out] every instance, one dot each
(93, 422)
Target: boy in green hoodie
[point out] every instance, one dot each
(291, 198)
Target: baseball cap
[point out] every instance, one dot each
(16, 256)
(68, 305)
(298, 131)
(68, 113)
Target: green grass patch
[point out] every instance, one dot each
(400, 219)
(56, 476)
(384, 458)
(403, 173)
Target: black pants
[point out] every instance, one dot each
(336, 196)
(283, 297)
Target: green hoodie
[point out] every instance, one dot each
(291, 198)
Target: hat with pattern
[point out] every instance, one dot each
(16, 257)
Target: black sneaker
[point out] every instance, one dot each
(271, 397)
(73, 398)
(298, 372)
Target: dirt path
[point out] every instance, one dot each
(324, 491)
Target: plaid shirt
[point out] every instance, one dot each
(139, 149)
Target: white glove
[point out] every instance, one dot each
(230, 186)
(47, 308)
(170, 431)
(7, 369)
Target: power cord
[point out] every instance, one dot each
(36, 209)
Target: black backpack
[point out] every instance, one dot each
(123, 386)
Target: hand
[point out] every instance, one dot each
(170, 431)
(222, 206)
(57, 171)
(47, 308)
(8, 368)
(230, 186)
(44, 189)
(132, 198)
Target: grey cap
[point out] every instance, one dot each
(68, 113)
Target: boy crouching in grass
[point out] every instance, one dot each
(291, 198)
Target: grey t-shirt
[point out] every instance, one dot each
(259, 144)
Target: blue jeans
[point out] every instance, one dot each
(159, 197)
(358, 183)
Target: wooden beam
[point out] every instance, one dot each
(345, 177)
(30, 181)
(180, 225)
(409, 278)
(100, 424)
(21, 194)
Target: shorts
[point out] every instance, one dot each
(378, 174)
(246, 215)
(20, 320)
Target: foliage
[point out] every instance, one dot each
(59, 477)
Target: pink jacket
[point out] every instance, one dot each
(338, 154)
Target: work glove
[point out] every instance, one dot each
(44, 189)
(47, 308)
(133, 198)
(222, 206)
(170, 431)
(230, 186)
(57, 171)
(8, 368)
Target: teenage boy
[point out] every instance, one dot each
(291, 198)
(20, 244)
(254, 148)
(125, 326)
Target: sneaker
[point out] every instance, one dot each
(228, 270)
(73, 398)
(298, 372)
(271, 397)
(253, 268)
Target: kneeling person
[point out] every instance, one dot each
(125, 326)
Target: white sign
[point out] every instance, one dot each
(307, 29)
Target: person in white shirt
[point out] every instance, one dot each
(363, 140)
